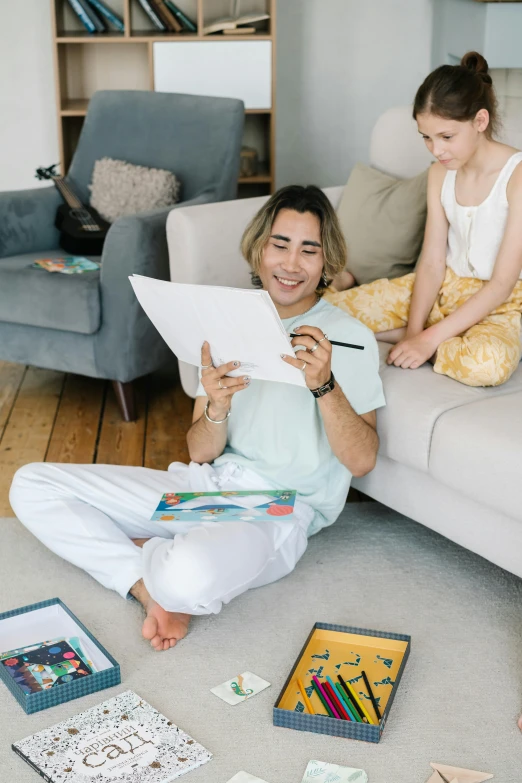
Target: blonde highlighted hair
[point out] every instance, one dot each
(301, 199)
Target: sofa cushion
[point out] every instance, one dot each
(416, 399)
(477, 450)
(34, 297)
(383, 221)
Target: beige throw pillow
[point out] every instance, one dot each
(119, 188)
(383, 222)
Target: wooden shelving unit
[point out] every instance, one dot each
(87, 62)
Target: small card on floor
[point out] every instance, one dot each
(240, 688)
(245, 777)
(321, 772)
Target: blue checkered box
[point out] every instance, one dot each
(331, 650)
(51, 620)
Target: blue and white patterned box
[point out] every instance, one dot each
(383, 656)
(52, 619)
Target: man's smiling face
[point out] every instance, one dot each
(292, 261)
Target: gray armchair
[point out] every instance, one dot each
(91, 324)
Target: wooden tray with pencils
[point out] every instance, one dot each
(344, 682)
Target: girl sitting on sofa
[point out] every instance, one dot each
(461, 309)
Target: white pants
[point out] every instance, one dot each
(88, 515)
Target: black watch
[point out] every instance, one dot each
(322, 390)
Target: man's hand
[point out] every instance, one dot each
(219, 387)
(316, 360)
(411, 352)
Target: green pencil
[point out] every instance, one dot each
(344, 698)
(325, 705)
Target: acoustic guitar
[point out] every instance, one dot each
(82, 230)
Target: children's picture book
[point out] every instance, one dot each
(70, 265)
(38, 667)
(247, 505)
(123, 739)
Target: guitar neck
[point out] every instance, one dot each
(67, 193)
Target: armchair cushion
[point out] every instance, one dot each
(34, 297)
(27, 221)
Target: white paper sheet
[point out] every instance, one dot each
(239, 324)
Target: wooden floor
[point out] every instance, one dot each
(53, 417)
(48, 416)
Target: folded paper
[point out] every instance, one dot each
(448, 774)
(322, 772)
(240, 688)
(245, 777)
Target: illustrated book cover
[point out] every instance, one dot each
(122, 739)
(44, 665)
(247, 505)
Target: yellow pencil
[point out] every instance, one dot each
(357, 700)
(305, 698)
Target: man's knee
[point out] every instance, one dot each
(28, 475)
(26, 481)
(196, 571)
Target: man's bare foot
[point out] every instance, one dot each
(163, 629)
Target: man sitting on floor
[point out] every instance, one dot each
(246, 435)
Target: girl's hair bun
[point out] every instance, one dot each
(478, 64)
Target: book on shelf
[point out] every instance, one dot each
(153, 16)
(108, 13)
(87, 16)
(123, 737)
(240, 31)
(167, 16)
(232, 23)
(183, 19)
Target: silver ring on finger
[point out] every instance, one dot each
(206, 366)
(303, 368)
(314, 347)
(221, 385)
(324, 337)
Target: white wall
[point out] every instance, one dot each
(341, 63)
(28, 134)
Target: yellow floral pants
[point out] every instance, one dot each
(487, 354)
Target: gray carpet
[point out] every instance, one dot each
(457, 703)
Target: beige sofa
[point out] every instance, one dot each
(450, 455)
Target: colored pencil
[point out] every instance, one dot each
(347, 703)
(357, 701)
(372, 697)
(305, 698)
(326, 697)
(335, 342)
(323, 702)
(346, 708)
(335, 699)
(352, 700)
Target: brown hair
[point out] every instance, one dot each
(301, 199)
(458, 92)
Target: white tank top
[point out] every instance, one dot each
(475, 233)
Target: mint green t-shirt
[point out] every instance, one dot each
(276, 429)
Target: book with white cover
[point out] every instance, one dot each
(239, 324)
(122, 739)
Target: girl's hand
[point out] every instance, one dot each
(316, 364)
(219, 387)
(411, 352)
